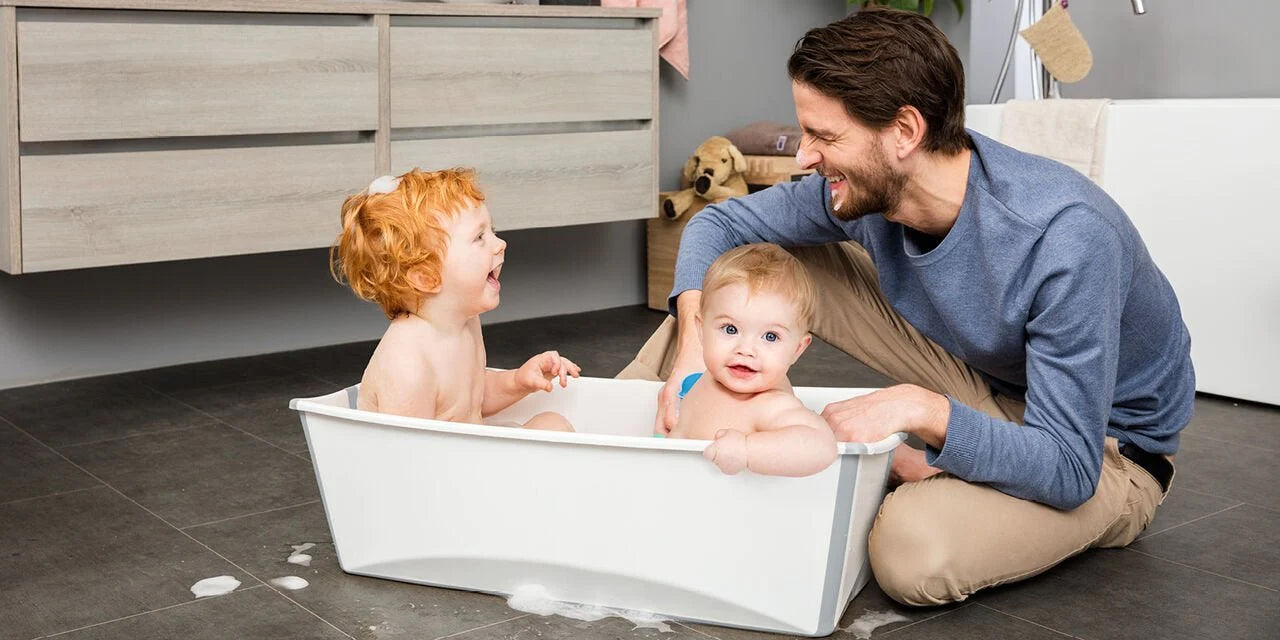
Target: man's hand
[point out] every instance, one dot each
(877, 415)
(540, 370)
(728, 451)
(668, 397)
(688, 359)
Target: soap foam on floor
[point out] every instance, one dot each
(862, 627)
(533, 598)
(298, 557)
(291, 583)
(215, 586)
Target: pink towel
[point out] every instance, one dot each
(673, 29)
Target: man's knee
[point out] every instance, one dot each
(912, 557)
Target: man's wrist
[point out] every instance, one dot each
(932, 425)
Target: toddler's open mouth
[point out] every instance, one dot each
(493, 277)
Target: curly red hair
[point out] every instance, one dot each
(387, 236)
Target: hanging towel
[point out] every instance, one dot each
(673, 29)
(1072, 132)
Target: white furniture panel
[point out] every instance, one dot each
(1197, 178)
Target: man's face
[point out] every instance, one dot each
(850, 155)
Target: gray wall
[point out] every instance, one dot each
(1177, 49)
(72, 324)
(738, 68)
(1180, 49)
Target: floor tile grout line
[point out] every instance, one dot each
(51, 495)
(250, 515)
(285, 372)
(699, 632)
(1031, 622)
(1232, 442)
(146, 613)
(1220, 496)
(932, 617)
(1177, 526)
(483, 626)
(1225, 577)
(227, 424)
(134, 435)
(189, 536)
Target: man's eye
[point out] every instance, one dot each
(770, 336)
(730, 330)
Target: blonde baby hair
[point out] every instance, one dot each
(765, 267)
(395, 227)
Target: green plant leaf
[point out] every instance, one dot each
(959, 7)
(926, 7)
(906, 5)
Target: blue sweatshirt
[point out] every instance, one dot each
(1042, 285)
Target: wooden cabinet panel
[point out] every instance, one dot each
(94, 209)
(549, 180)
(87, 80)
(448, 76)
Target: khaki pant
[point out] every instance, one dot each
(939, 540)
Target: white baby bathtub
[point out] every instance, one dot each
(608, 516)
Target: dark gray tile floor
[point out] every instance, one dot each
(119, 493)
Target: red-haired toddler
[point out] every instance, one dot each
(422, 247)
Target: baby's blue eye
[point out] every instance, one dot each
(730, 330)
(770, 336)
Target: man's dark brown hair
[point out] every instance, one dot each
(877, 61)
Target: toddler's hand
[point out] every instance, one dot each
(728, 451)
(540, 370)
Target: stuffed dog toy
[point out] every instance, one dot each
(714, 172)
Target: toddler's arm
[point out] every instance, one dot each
(792, 442)
(504, 388)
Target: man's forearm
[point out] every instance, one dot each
(688, 342)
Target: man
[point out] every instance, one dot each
(1044, 361)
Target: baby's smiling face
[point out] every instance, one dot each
(473, 261)
(750, 339)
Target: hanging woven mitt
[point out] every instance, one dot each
(1060, 45)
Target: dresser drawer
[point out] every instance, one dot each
(446, 76)
(549, 180)
(136, 74)
(94, 209)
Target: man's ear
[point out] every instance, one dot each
(424, 281)
(908, 128)
(804, 344)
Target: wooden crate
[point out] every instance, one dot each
(663, 240)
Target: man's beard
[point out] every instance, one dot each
(873, 189)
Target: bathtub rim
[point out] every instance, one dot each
(317, 405)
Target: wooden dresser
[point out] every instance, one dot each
(150, 130)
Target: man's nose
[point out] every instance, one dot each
(808, 159)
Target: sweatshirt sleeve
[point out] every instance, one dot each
(1072, 354)
(790, 214)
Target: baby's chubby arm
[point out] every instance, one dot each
(504, 388)
(790, 440)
